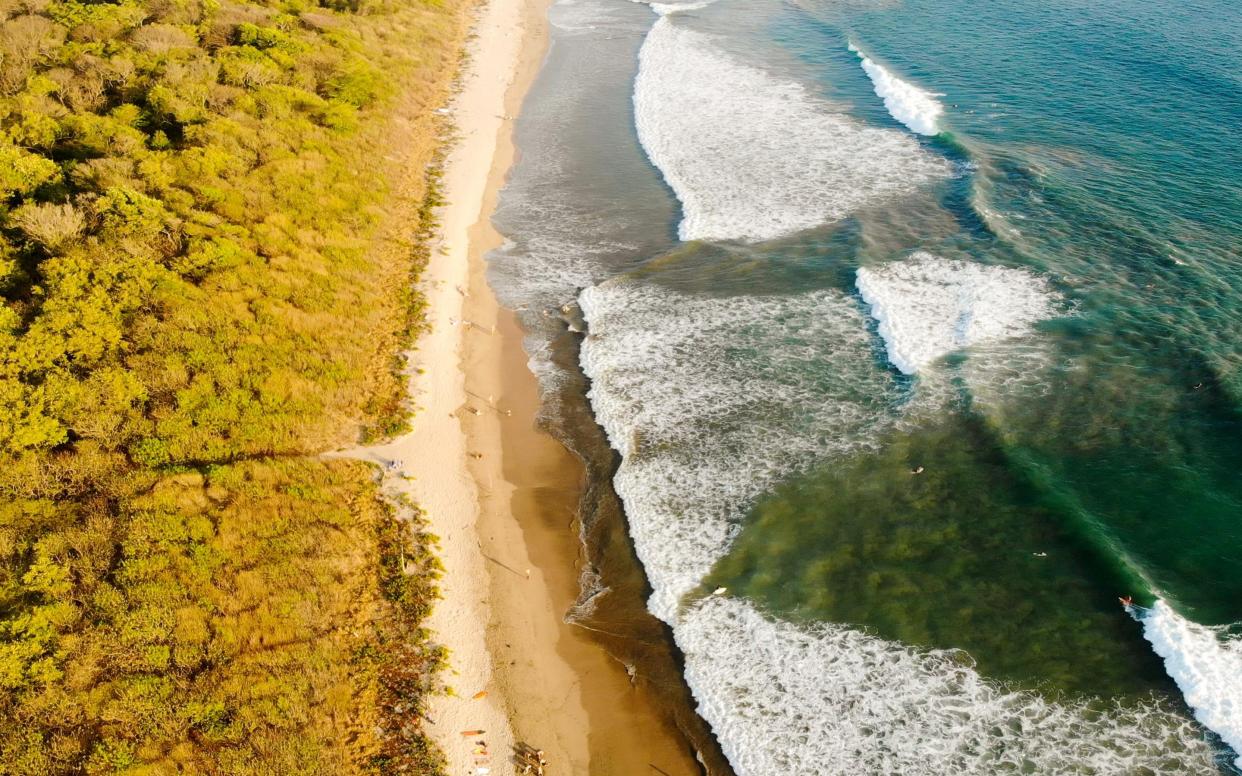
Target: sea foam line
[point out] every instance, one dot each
(752, 156)
(1207, 668)
(917, 109)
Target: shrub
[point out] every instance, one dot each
(197, 301)
(22, 172)
(50, 226)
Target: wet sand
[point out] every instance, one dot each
(564, 693)
(500, 494)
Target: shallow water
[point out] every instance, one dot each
(918, 329)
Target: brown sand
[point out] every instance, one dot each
(529, 489)
(500, 494)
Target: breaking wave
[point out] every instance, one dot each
(1206, 665)
(713, 401)
(752, 156)
(928, 307)
(664, 9)
(917, 109)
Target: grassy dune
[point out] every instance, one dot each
(210, 213)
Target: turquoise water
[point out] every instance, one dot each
(905, 404)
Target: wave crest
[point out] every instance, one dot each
(829, 699)
(917, 109)
(1206, 667)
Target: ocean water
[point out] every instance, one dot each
(914, 331)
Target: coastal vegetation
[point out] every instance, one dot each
(210, 212)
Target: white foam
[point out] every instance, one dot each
(713, 401)
(1206, 666)
(664, 9)
(917, 109)
(752, 156)
(581, 16)
(829, 699)
(928, 307)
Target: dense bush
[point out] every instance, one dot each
(204, 286)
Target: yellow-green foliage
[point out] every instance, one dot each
(235, 621)
(199, 294)
(183, 193)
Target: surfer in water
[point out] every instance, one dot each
(1126, 601)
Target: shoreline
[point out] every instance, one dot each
(502, 495)
(566, 694)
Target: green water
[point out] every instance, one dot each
(965, 554)
(1105, 156)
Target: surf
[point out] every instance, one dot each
(703, 431)
(916, 108)
(752, 156)
(927, 307)
(831, 699)
(1205, 664)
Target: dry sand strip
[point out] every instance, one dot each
(433, 456)
(499, 493)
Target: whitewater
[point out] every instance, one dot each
(702, 435)
(812, 315)
(752, 156)
(1206, 664)
(927, 307)
(917, 109)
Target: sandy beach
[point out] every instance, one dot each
(501, 495)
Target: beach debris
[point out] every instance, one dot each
(480, 694)
(469, 733)
(530, 759)
(443, 111)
